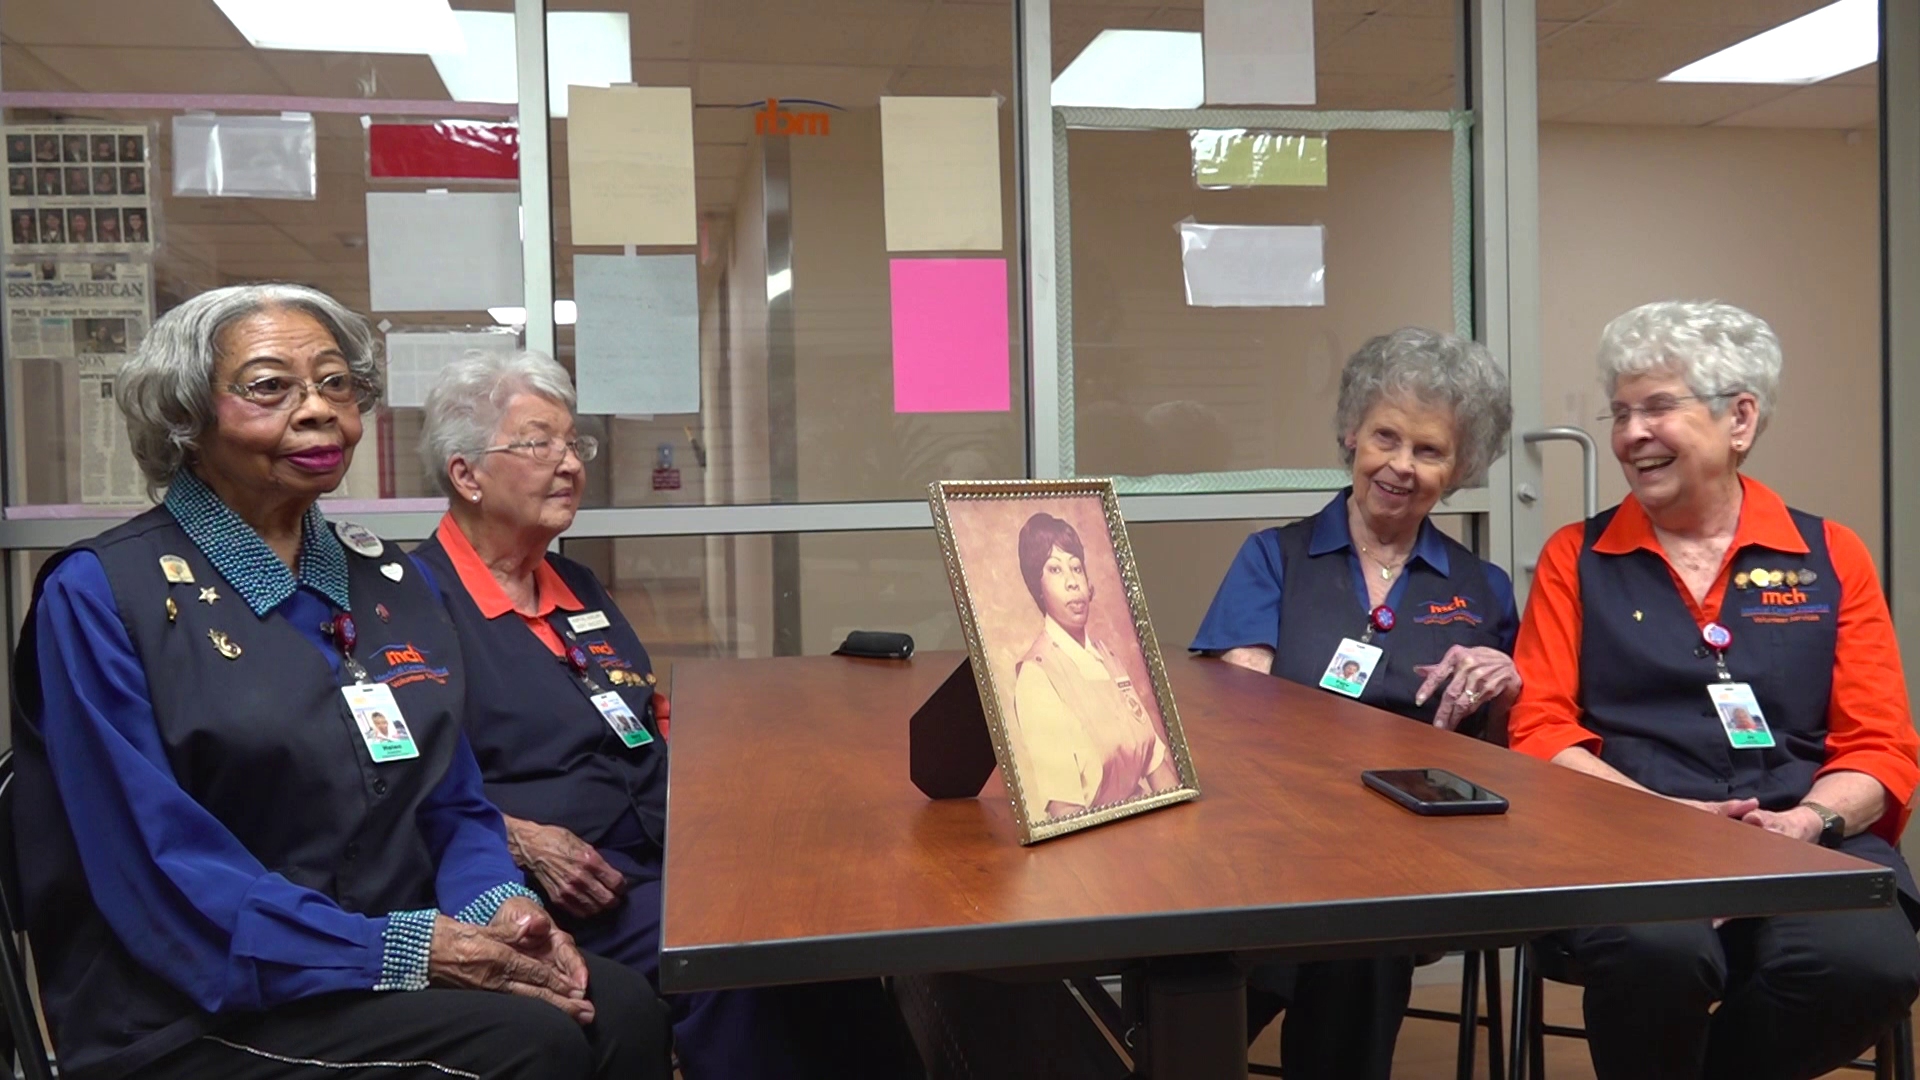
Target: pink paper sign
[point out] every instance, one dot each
(950, 345)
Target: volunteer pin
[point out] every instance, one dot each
(176, 569)
(381, 610)
(227, 646)
(1740, 580)
(209, 595)
(391, 571)
(173, 610)
(360, 539)
(1793, 577)
(1808, 577)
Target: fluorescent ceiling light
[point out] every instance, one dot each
(1818, 45)
(1136, 69)
(355, 26)
(565, 313)
(584, 48)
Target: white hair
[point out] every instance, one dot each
(1717, 349)
(1434, 369)
(465, 405)
(165, 389)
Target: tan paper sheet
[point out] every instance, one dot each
(630, 160)
(941, 160)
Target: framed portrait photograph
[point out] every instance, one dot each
(1068, 669)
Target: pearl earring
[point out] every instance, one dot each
(476, 496)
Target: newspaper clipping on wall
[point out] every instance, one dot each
(78, 188)
(89, 316)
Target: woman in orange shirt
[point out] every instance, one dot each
(1650, 629)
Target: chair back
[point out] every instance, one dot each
(23, 1025)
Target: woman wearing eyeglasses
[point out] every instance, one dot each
(226, 873)
(1704, 643)
(568, 728)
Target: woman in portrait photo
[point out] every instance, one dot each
(1085, 735)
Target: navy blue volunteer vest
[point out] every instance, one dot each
(265, 743)
(1643, 682)
(1319, 606)
(546, 753)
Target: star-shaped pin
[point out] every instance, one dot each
(209, 594)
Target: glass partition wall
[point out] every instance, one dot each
(773, 497)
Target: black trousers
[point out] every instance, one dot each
(439, 1034)
(1343, 1016)
(1799, 995)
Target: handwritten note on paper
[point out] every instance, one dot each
(1259, 52)
(950, 337)
(416, 358)
(940, 158)
(441, 251)
(630, 165)
(1254, 265)
(637, 342)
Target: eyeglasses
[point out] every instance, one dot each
(551, 451)
(1658, 407)
(282, 391)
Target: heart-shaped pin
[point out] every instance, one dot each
(392, 570)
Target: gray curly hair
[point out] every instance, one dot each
(165, 389)
(1434, 369)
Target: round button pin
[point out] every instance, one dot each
(1716, 635)
(1381, 618)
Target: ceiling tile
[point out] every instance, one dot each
(1686, 104)
(1388, 45)
(1629, 53)
(1561, 96)
(1567, 10)
(1339, 91)
(1822, 106)
(162, 71)
(1745, 13)
(1866, 76)
(850, 87)
(967, 36)
(149, 23)
(954, 82)
(842, 32)
(25, 71)
(353, 75)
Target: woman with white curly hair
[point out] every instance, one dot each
(1704, 643)
(1368, 599)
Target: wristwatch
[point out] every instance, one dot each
(1833, 827)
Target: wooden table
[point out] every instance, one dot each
(798, 849)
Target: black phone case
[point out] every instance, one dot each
(1495, 805)
(877, 645)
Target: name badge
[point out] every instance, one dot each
(588, 620)
(1740, 715)
(621, 719)
(381, 726)
(1353, 664)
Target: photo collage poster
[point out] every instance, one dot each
(76, 189)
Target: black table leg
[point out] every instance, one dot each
(1196, 1020)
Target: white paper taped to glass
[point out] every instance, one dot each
(415, 358)
(246, 157)
(1254, 265)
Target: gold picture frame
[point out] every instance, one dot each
(1088, 730)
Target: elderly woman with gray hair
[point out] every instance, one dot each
(228, 870)
(1368, 599)
(1705, 643)
(570, 732)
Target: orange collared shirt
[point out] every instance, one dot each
(1869, 726)
(551, 592)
